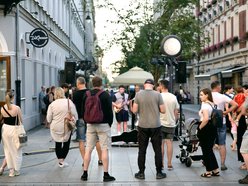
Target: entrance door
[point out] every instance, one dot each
(4, 77)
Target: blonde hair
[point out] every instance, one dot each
(9, 97)
(59, 93)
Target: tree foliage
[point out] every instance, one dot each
(141, 37)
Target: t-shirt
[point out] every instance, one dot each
(205, 106)
(148, 108)
(78, 97)
(168, 119)
(220, 100)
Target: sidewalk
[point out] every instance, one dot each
(40, 165)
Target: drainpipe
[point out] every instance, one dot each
(70, 55)
(17, 81)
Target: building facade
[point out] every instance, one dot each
(31, 66)
(224, 55)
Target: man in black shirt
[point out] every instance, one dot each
(99, 130)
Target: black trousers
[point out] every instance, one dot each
(133, 121)
(144, 134)
(62, 149)
(207, 136)
(240, 132)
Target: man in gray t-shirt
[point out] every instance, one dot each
(148, 104)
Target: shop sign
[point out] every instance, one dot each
(38, 38)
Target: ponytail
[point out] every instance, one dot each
(8, 98)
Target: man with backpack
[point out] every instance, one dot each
(220, 100)
(98, 115)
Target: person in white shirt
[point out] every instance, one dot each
(220, 100)
(56, 113)
(207, 134)
(168, 121)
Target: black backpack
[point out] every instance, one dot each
(216, 117)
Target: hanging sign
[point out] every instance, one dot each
(38, 38)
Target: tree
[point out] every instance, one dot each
(140, 39)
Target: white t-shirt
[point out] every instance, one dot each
(170, 101)
(220, 100)
(205, 106)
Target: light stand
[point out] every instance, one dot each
(171, 46)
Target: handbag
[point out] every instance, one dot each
(69, 121)
(21, 133)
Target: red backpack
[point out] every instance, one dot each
(93, 110)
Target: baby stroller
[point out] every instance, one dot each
(190, 142)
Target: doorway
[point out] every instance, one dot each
(4, 77)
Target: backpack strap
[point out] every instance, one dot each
(99, 92)
(7, 112)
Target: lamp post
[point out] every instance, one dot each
(171, 46)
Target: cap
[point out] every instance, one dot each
(150, 81)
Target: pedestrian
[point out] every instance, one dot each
(56, 113)
(101, 129)
(207, 134)
(244, 144)
(120, 103)
(220, 100)
(149, 104)
(42, 105)
(12, 116)
(65, 87)
(240, 120)
(228, 91)
(168, 121)
(131, 101)
(78, 97)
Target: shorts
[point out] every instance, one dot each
(221, 134)
(81, 130)
(101, 131)
(168, 132)
(122, 115)
(244, 144)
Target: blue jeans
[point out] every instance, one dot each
(81, 130)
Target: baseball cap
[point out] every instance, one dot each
(149, 81)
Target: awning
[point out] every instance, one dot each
(208, 75)
(228, 73)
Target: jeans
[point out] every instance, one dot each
(144, 134)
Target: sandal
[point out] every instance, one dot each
(206, 175)
(215, 173)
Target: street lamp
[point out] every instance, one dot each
(171, 46)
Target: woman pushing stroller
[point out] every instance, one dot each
(207, 134)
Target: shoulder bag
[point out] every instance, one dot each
(69, 121)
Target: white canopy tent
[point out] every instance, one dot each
(134, 76)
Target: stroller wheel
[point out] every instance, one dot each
(182, 160)
(188, 162)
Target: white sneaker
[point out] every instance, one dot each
(17, 173)
(63, 164)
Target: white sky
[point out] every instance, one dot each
(104, 30)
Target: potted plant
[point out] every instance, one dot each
(200, 13)
(235, 39)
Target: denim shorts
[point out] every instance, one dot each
(81, 130)
(221, 135)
